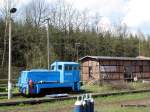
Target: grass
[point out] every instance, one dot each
(119, 109)
(102, 104)
(115, 87)
(120, 98)
(4, 89)
(139, 85)
(97, 89)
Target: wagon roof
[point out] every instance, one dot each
(115, 58)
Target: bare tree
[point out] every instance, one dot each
(64, 16)
(141, 37)
(7, 5)
(85, 20)
(36, 11)
(4, 12)
(96, 20)
(77, 20)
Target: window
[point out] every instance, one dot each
(60, 67)
(108, 68)
(52, 67)
(75, 68)
(68, 67)
(90, 71)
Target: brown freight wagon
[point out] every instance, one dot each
(103, 68)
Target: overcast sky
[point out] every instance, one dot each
(134, 13)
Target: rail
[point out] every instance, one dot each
(47, 99)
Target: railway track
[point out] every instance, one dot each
(49, 99)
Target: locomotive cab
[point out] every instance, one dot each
(69, 71)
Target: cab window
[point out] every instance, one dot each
(68, 67)
(75, 68)
(60, 67)
(52, 67)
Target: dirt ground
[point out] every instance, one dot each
(69, 107)
(145, 101)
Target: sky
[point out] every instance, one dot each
(134, 13)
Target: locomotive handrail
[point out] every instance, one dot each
(46, 82)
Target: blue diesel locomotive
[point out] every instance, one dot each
(62, 75)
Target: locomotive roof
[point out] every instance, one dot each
(65, 62)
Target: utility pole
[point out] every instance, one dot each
(77, 52)
(12, 10)
(48, 44)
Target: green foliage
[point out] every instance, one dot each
(2, 89)
(29, 45)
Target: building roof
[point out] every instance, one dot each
(115, 58)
